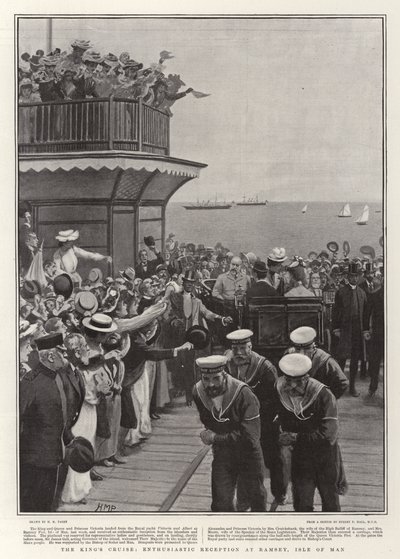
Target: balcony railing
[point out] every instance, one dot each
(92, 125)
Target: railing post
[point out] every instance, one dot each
(111, 117)
(140, 124)
(168, 139)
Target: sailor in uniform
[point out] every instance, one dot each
(260, 375)
(230, 412)
(308, 415)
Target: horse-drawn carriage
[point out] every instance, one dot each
(272, 319)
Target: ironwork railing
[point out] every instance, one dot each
(92, 125)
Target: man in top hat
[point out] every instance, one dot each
(308, 417)
(187, 311)
(66, 257)
(349, 321)
(275, 261)
(42, 401)
(261, 287)
(145, 267)
(230, 413)
(260, 375)
(231, 285)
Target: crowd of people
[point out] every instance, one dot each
(85, 73)
(101, 357)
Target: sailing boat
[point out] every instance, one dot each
(304, 209)
(363, 219)
(345, 211)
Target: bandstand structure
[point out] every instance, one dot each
(102, 166)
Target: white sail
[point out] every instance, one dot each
(345, 211)
(363, 219)
(304, 209)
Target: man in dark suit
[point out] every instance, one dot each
(261, 288)
(376, 318)
(42, 425)
(349, 321)
(147, 268)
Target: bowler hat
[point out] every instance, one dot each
(260, 266)
(63, 285)
(198, 336)
(79, 455)
(30, 289)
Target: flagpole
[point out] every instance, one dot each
(49, 33)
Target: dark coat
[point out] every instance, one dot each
(261, 289)
(75, 394)
(341, 318)
(150, 268)
(41, 417)
(376, 317)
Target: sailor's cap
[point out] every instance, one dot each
(211, 364)
(295, 365)
(239, 336)
(303, 336)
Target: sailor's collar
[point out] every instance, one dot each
(233, 388)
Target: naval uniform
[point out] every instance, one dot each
(236, 447)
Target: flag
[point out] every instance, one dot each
(199, 95)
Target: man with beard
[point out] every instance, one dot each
(324, 367)
(260, 375)
(349, 322)
(230, 413)
(42, 424)
(229, 284)
(307, 412)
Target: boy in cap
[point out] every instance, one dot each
(230, 413)
(308, 417)
(260, 375)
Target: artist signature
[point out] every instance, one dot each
(104, 507)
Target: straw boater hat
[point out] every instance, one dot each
(95, 277)
(128, 274)
(277, 255)
(68, 235)
(86, 303)
(212, 364)
(26, 329)
(111, 60)
(295, 365)
(303, 336)
(100, 323)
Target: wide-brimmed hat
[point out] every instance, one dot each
(86, 303)
(81, 44)
(260, 266)
(130, 63)
(63, 285)
(50, 60)
(332, 246)
(99, 322)
(277, 255)
(198, 336)
(95, 277)
(111, 60)
(29, 289)
(92, 56)
(367, 250)
(79, 455)
(68, 235)
(26, 82)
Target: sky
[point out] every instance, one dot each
(295, 105)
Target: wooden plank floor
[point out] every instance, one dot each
(159, 472)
